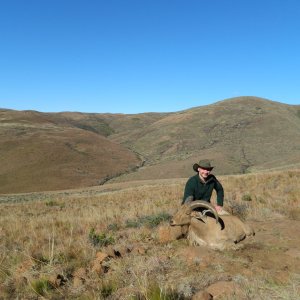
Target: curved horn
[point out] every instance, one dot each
(205, 204)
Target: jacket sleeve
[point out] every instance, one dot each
(188, 192)
(220, 192)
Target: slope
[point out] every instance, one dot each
(38, 154)
(240, 135)
(51, 151)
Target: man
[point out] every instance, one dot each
(201, 186)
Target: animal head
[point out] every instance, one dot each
(187, 211)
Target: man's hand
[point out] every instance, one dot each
(221, 211)
(218, 208)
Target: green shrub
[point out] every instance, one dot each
(246, 197)
(41, 286)
(107, 289)
(153, 221)
(100, 240)
(113, 227)
(51, 203)
(149, 221)
(132, 224)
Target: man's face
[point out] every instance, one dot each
(204, 172)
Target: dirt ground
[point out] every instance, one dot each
(272, 256)
(265, 266)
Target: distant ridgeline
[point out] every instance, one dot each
(54, 151)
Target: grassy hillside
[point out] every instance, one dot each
(37, 153)
(42, 151)
(240, 135)
(103, 243)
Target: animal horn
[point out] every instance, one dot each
(205, 204)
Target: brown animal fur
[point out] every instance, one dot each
(204, 230)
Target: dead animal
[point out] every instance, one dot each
(202, 225)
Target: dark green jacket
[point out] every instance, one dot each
(203, 191)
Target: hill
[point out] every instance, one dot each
(52, 151)
(240, 135)
(39, 153)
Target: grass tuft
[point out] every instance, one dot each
(107, 289)
(150, 221)
(155, 292)
(100, 240)
(246, 197)
(41, 286)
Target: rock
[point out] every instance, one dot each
(101, 256)
(118, 251)
(223, 289)
(110, 251)
(100, 265)
(202, 295)
(58, 280)
(121, 251)
(79, 277)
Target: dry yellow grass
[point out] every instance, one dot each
(49, 243)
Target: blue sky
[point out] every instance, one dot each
(133, 56)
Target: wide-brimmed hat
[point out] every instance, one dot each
(204, 163)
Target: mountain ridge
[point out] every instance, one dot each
(241, 134)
